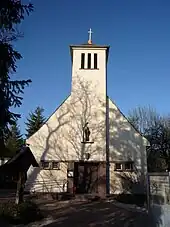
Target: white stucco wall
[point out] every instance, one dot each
(123, 182)
(125, 144)
(40, 180)
(60, 137)
(96, 77)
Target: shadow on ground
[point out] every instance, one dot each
(98, 213)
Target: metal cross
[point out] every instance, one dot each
(90, 35)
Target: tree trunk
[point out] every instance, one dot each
(20, 188)
(2, 145)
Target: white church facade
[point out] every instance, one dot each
(87, 145)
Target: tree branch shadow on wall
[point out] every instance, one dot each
(69, 128)
(64, 134)
(129, 186)
(132, 189)
(33, 176)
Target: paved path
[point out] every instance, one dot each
(87, 214)
(92, 214)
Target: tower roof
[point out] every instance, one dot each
(89, 46)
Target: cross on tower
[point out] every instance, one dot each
(90, 36)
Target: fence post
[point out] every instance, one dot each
(148, 192)
(169, 188)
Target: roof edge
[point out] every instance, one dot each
(50, 116)
(88, 46)
(128, 120)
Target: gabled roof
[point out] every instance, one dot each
(129, 121)
(49, 117)
(20, 162)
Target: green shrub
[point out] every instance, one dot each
(137, 199)
(20, 214)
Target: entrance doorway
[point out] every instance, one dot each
(86, 177)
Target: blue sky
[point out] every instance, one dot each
(138, 32)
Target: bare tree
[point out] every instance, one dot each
(156, 129)
(143, 118)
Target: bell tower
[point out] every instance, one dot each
(89, 65)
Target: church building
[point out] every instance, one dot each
(87, 145)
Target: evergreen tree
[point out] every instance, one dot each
(14, 141)
(34, 121)
(11, 14)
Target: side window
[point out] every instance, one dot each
(124, 166)
(118, 166)
(45, 164)
(129, 166)
(50, 165)
(55, 165)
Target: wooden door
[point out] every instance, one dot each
(79, 178)
(91, 176)
(86, 177)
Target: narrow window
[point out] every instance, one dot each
(82, 60)
(95, 61)
(55, 165)
(45, 164)
(118, 166)
(128, 166)
(89, 61)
